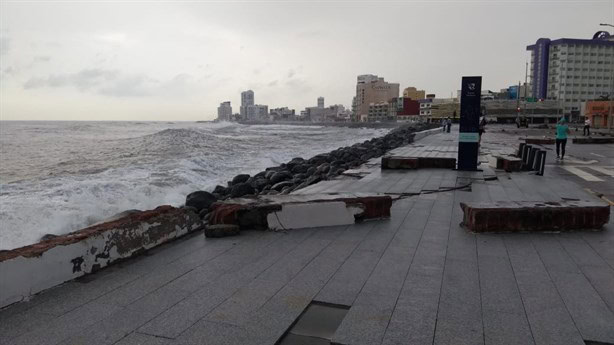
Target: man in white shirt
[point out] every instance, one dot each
(587, 127)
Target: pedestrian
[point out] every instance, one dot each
(443, 125)
(449, 124)
(561, 138)
(587, 127)
(482, 127)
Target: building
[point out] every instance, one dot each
(224, 111)
(425, 106)
(371, 92)
(506, 110)
(598, 112)
(257, 112)
(572, 71)
(404, 109)
(320, 102)
(443, 108)
(282, 114)
(413, 93)
(247, 99)
(379, 112)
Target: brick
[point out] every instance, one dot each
(593, 140)
(534, 216)
(437, 162)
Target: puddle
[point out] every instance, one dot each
(316, 326)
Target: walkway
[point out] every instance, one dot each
(418, 278)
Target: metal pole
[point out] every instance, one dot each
(611, 94)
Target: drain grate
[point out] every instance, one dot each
(315, 326)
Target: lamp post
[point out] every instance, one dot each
(611, 93)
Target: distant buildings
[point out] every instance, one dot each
(572, 71)
(413, 93)
(282, 114)
(320, 102)
(224, 111)
(598, 112)
(247, 99)
(373, 95)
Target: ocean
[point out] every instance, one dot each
(57, 177)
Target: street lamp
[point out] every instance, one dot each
(604, 24)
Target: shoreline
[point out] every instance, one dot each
(327, 124)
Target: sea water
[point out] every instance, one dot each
(57, 177)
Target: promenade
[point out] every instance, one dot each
(417, 278)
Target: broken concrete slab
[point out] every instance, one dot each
(400, 162)
(520, 216)
(508, 163)
(297, 211)
(593, 140)
(221, 230)
(539, 140)
(28, 270)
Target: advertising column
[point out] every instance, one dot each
(468, 138)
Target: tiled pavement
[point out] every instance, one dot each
(418, 278)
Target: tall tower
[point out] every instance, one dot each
(247, 99)
(320, 102)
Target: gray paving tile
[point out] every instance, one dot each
(143, 339)
(506, 329)
(590, 314)
(554, 327)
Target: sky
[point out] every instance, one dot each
(171, 61)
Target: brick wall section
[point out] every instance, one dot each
(534, 216)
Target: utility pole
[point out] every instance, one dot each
(611, 93)
(526, 72)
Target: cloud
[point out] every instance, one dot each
(291, 73)
(4, 45)
(41, 58)
(114, 83)
(272, 83)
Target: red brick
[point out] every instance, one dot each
(534, 216)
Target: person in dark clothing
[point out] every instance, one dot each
(561, 138)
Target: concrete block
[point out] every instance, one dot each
(28, 270)
(396, 162)
(300, 210)
(540, 141)
(221, 230)
(514, 216)
(508, 163)
(593, 140)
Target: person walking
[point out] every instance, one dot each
(443, 125)
(587, 127)
(482, 127)
(448, 124)
(562, 129)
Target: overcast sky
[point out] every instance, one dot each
(179, 60)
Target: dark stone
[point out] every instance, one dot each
(221, 230)
(259, 184)
(241, 189)
(311, 171)
(269, 174)
(47, 237)
(220, 190)
(301, 168)
(300, 176)
(323, 168)
(280, 176)
(279, 186)
(200, 200)
(240, 179)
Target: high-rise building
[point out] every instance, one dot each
(320, 102)
(247, 99)
(373, 90)
(257, 112)
(572, 70)
(413, 93)
(224, 111)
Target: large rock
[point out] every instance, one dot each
(280, 176)
(240, 179)
(200, 200)
(279, 186)
(241, 189)
(260, 183)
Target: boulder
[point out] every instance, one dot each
(260, 183)
(200, 200)
(279, 186)
(280, 176)
(242, 189)
(240, 179)
(301, 168)
(220, 189)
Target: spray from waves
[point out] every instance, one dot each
(141, 167)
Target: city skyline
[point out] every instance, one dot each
(160, 61)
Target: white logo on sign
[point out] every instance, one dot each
(471, 86)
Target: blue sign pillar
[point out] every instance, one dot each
(468, 138)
